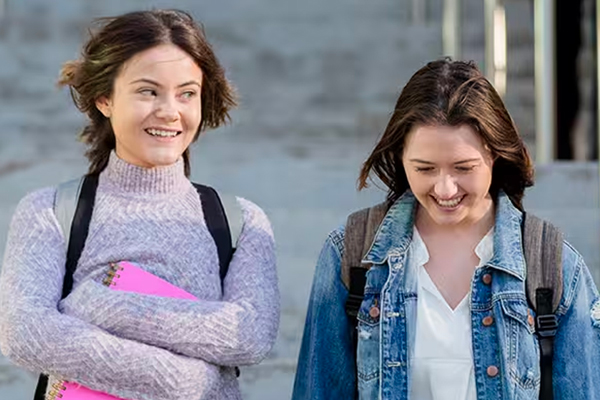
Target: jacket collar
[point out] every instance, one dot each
(394, 235)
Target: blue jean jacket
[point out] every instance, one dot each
(328, 365)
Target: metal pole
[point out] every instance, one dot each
(500, 78)
(495, 44)
(488, 19)
(545, 87)
(451, 29)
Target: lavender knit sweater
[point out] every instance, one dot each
(130, 345)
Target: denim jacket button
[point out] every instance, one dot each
(374, 312)
(530, 319)
(492, 371)
(487, 279)
(487, 321)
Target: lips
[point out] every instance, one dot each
(451, 203)
(162, 132)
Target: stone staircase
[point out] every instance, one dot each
(318, 81)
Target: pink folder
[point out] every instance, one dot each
(127, 277)
(74, 391)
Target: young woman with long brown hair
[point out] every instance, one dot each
(445, 311)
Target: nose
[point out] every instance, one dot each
(446, 187)
(167, 110)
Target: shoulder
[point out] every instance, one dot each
(580, 297)
(574, 271)
(253, 215)
(357, 222)
(335, 239)
(34, 214)
(571, 258)
(37, 201)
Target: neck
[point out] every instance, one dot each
(135, 179)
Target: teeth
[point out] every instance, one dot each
(449, 203)
(156, 132)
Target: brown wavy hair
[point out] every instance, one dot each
(116, 41)
(452, 93)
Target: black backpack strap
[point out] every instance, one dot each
(542, 244)
(79, 229)
(216, 221)
(218, 226)
(40, 389)
(76, 240)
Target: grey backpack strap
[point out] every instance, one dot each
(359, 233)
(233, 211)
(354, 238)
(65, 203)
(376, 215)
(542, 243)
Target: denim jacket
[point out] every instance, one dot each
(506, 353)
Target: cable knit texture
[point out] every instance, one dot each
(130, 345)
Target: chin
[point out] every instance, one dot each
(163, 160)
(447, 219)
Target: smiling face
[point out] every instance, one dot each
(155, 108)
(449, 171)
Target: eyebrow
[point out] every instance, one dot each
(151, 82)
(416, 160)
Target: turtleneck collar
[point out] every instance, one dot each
(140, 180)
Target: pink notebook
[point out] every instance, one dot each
(127, 277)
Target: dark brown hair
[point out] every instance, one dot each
(117, 40)
(452, 93)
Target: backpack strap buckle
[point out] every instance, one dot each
(546, 325)
(353, 305)
(358, 278)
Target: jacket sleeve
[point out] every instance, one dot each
(577, 343)
(36, 336)
(326, 364)
(239, 330)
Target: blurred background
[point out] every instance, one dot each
(317, 82)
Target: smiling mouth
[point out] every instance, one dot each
(162, 133)
(449, 203)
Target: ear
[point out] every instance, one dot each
(104, 105)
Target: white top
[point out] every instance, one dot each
(442, 363)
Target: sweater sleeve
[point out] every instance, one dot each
(239, 330)
(36, 336)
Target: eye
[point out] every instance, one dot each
(188, 94)
(424, 169)
(465, 169)
(147, 92)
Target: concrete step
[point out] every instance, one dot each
(568, 194)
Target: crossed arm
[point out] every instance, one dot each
(238, 330)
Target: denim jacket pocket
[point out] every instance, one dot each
(521, 346)
(367, 353)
